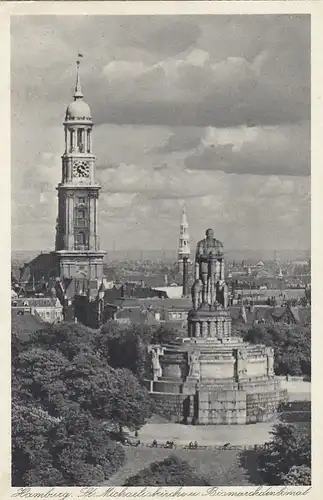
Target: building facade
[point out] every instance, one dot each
(48, 310)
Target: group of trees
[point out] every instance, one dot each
(62, 388)
(292, 345)
(287, 459)
(170, 472)
(127, 346)
(69, 381)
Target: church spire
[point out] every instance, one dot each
(78, 90)
(184, 216)
(184, 239)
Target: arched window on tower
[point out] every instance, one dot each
(80, 139)
(80, 239)
(80, 217)
(71, 141)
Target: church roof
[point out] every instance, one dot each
(137, 316)
(155, 303)
(299, 315)
(35, 302)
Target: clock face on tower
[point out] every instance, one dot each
(81, 168)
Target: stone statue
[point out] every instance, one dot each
(241, 363)
(209, 290)
(197, 294)
(155, 352)
(270, 361)
(222, 294)
(210, 246)
(194, 364)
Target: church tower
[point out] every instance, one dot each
(184, 251)
(77, 232)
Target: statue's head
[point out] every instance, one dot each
(209, 233)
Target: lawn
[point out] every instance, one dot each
(220, 468)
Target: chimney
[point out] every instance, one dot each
(185, 276)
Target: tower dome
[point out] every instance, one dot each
(78, 110)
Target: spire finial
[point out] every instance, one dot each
(184, 216)
(78, 90)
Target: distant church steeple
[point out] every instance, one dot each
(184, 250)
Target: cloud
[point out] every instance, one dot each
(181, 139)
(282, 150)
(211, 109)
(232, 92)
(223, 71)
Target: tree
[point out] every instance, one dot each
(68, 338)
(62, 390)
(48, 451)
(298, 475)
(89, 460)
(291, 343)
(131, 403)
(164, 335)
(31, 429)
(39, 375)
(290, 447)
(170, 472)
(126, 347)
(114, 395)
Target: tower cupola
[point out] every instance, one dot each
(78, 110)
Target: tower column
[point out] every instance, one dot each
(222, 269)
(92, 216)
(204, 329)
(90, 141)
(217, 270)
(69, 171)
(97, 240)
(70, 211)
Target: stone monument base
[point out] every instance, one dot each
(234, 384)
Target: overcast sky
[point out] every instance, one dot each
(212, 110)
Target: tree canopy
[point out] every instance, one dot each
(170, 472)
(48, 451)
(63, 387)
(292, 346)
(127, 347)
(288, 456)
